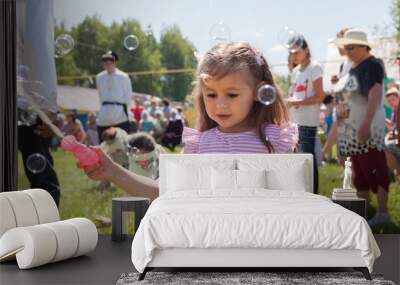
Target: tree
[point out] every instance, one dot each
(177, 52)
(93, 39)
(145, 57)
(91, 42)
(65, 65)
(283, 83)
(396, 17)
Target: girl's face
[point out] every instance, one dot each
(228, 100)
(300, 55)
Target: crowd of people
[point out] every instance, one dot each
(153, 121)
(352, 116)
(154, 117)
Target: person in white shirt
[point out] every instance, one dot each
(115, 91)
(306, 96)
(338, 84)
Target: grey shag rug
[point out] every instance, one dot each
(242, 278)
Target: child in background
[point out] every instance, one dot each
(329, 102)
(160, 124)
(329, 110)
(146, 123)
(74, 127)
(166, 108)
(92, 135)
(143, 155)
(392, 97)
(137, 111)
(115, 144)
(173, 133)
(153, 108)
(230, 117)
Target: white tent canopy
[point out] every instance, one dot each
(78, 98)
(87, 99)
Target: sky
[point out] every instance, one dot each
(261, 22)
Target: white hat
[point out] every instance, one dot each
(353, 37)
(392, 90)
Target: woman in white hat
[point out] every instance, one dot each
(361, 122)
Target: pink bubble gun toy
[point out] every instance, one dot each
(87, 157)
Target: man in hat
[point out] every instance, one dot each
(115, 90)
(361, 121)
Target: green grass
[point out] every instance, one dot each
(331, 176)
(80, 198)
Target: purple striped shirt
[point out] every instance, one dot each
(282, 138)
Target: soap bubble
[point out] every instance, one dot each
(220, 33)
(131, 42)
(266, 94)
(36, 163)
(63, 45)
(284, 35)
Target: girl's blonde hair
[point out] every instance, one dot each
(227, 58)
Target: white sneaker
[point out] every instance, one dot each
(379, 218)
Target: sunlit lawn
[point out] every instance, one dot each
(81, 198)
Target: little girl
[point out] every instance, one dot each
(230, 117)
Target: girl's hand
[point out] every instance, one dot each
(105, 171)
